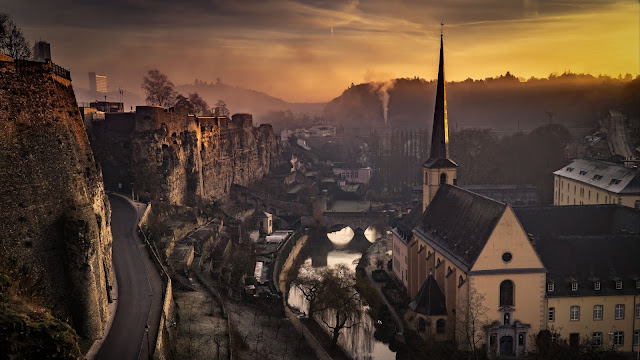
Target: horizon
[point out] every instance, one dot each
(309, 51)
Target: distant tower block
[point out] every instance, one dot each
(42, 51)
(97, 83)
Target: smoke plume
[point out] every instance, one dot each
(382, 90)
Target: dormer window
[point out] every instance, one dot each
(614, 182)
(597, 177)
(618, 284)
(551, 287)
(574, 286)
(582, 172)
(569, 169)
(596, 285)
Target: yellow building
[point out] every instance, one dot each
(588, 182)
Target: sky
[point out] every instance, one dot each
(311, 50)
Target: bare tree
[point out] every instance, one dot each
(310, 284)
(198, 105)
(341, 304)
(12, 41)
(472, 318)
(158, 89)
(221, 109)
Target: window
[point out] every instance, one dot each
(618, 338)
(638, 284)
(440, 326)
(619, 311)
(443, 178)
(596, 285)
(582, 172)
(597, 196)
(637, 311)
(521, 339)
(506, 319)
(421, 324)
(574, 286)
(597, 177)
(618, 284)
(636, 338)
(506, 293)
(597, 312)
(552, 314)
(569, 169)
(589, 194)
(551, 287)
(596, 339)
(506, 257)
(574, 314)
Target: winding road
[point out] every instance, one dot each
(139, 293)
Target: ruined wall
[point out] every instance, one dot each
(55, 234)
(172, 156)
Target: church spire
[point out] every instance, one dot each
(440, 133)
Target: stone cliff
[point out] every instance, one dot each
(55, 233)
(169, 155)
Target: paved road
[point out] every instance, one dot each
(135, 294)
(618, 136)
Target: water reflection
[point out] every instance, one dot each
(343, 247)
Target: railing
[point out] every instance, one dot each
(60, 71)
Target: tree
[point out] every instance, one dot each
(310, 284)
(158, 89)
(339, 300)
(182, 101)
(472, 318)
(198, 105)
(221, 109)
(12, 41)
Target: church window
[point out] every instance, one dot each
(460, 280)
(521, 339)
(618, 284)
(619, 311)
(506, 257)
(506, 293)
(574, 313)
(440, 326)
(443, 178)
(551, 287)
(552, 314)
(574, 286)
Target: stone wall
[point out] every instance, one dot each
(55, 233)
(169, 155)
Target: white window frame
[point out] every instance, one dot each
(596, 338)
(636, 338)
(574, 310)
(618, 284)
(596, 285)
(618, 338)
(574, 286)
(637, 311)
(597, 312)
(638, 284)
(551, 287)
(551, 314)
(619, 311)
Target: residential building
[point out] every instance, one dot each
(588, 182)
(352, 173)
(401, 234)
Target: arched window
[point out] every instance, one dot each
(443, 178)
(507, 319)
(440, 326)
(421, 324)
(506, 293)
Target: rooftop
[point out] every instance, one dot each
(430, 299)
(608, 176)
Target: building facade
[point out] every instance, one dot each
(588, 182)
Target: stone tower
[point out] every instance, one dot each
(438, 169)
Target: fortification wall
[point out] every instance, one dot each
(175, 157)
(55, 233)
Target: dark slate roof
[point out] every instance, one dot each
(404, 230)
(459, 222)
(604, 175)
(585, 244)
(430, 299)
(579, 220)
(514, 195)
(440, 133)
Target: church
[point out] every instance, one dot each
(488, 275)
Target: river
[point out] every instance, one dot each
(344, 247)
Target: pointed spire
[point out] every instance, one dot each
(440, 133)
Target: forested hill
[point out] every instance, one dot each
(502, 103)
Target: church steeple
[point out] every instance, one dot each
(439, 169)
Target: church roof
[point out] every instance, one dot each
(439, 155)
(458, 222)
(585, 244)
(404, 229)
(608, 176)
(430, 300)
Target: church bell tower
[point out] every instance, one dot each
(438, 169)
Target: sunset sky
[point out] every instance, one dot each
(311, 50)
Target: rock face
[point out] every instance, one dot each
(55, 233)
(169, 155)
